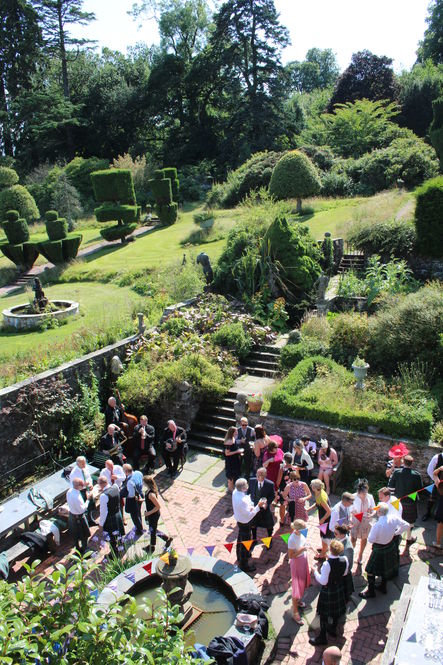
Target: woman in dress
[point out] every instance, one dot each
(302, 460)
(152, 514)
(232, 458)
(327, 459)
(298, 562)
(296, 493)
(363, 503)
(272, 459)
(324, 513)
(261, 442)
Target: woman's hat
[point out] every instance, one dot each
(399, 450)
(324, 443)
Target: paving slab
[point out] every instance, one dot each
(246, 383)
(199, 462)
(189, 476)
(214, 478)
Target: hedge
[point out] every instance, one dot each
(291, 354)
(113, 185)
(118, 232)
(57, 229)
(17, 231)
(167, 213)
(171, 173)
(24, 254)
(110, 213)
(62, 250)
(162, 190)
(429, 217)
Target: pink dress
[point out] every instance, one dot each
(297, 492)
(300, 575)
(273, 467)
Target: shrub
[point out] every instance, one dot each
(119, 232)
(294, 176)
(113, 185)
(436, 128)
(16, 230)
(51, 215)
(322, 156)
(61, 250)
(349, 337)
(18, 198)
(8, 177)
(234, 337)
(23, 254)
(162, 190)
(291, 354)
(429, 217)
(109, 212)
(56, 228)
(335, 183)
(166, 207)
(327, 260)
(79, 171)
(167, 213)
(171, 173)
(316, 328)
(41, 184)
(391, 238)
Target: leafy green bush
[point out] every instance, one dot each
(337, 183)
(429, 217)
(18, 198)
(57, 229)
(436, 128)
(8, 177)
(51, 215)
(291, 354)
(167, 212)
(79, 171)
(162, 190)
(234, 337)
(316, 328)
(171, 173)
(391, 238)
(349, 337)
(166, 208)
(113, 185)
(294, 176)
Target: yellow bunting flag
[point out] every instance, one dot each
(412, 496)
(247, 544)
(396, 504)
(165, 557)
(267, 541)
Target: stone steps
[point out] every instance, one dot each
(354, 262)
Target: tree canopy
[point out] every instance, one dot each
(432, 45)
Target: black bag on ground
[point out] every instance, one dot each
(253, 603)
(227, 651)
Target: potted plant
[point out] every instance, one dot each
(204, 219)
(360, 368)
(255, 402)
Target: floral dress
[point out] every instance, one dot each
(296, 508)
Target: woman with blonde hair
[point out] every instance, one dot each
(296, 493)
(324, 514)
(152, 514)
(298, 562)
(233, 454)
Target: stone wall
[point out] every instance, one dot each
(425, 268)
(362, 451)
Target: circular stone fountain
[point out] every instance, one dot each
(28, 316)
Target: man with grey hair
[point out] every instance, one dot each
(331, 656)
(81, 471)
(244, 512)
(384, 560)
(78, 525)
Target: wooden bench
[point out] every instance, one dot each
(99, 461)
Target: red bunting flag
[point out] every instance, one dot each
(358, 516)
(229, 547)
(148, 567)
(247, 544)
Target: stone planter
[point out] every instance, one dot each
(360, 372)
(16, 317)
(254, 406)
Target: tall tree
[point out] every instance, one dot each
(368, 76)
(20, 51)
(319, 69)
(432, 45)
(418, 89)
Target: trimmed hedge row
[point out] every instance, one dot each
(291, 354)
(113, 185)
(429, 216)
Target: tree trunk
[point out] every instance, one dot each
(5, 127)
(65, 79)
(299, 206)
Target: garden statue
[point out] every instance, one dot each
(322, 284)
(40, 300)
(116, 366)
(204, 261)
(141, 323)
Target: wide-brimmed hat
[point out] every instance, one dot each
(324, 443)
(399, 450)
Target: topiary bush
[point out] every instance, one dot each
(62, 250)
(114, 188)
(294, 176)
(291, 354)
(16, 230)
(171, 173)
(108, 212)
(51, 215)
(429, 217)
(234, 337)
(8, 177)
(17, 247)
(57, 229)
(436, 129)
(18, 198)
(119, 232)
(166, 208)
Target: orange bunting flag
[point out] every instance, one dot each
(165, 557)
(376, 507)
(358, 516)
(412, 496)
(247, 544)
(229, 547)
(396, 504)
(267, 541)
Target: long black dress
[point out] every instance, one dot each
(232, 462)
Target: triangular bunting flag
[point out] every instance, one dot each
(341, 521)
(210, 549)
(412, 496)
(358, 516)
(323, 528)
(191, 550)
(267, 541)
(247, 544)
(130, 577)
(94, 593)
(229, 547)
(148, 567)
(285, 537)
(165, 557)
(376, 507)
(304, 532)
(429, 488)
(412, 638)
(396, 504)
(112, 586)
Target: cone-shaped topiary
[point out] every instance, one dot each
(294, 177)
(17, 247)
(166, 208)
(114, 188)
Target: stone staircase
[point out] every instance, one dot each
(263, 361)
(354, 262)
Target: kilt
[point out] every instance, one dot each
(384, 560)
(78, 527)
(332, 600)
(349, 586)
(409, 510)
(114, 523)
(439, 513)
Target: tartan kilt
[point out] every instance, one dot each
(349, 586)
(78, 526)
(384, 560)
(114, 523)
(409, 511)
(332, 600)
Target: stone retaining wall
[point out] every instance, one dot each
(362, 451)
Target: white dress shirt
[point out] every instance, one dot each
(76, 504)
(386, 527)
(46, 526)
(295, 542)
(396, 512)
(118, 471)
(432, 466)
(83, 474)
(244, 509)
(322, 577)
(335, 515)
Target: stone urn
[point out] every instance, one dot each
(360, 369)
(255, 403)
(175, 582)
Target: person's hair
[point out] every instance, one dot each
(230, 433)
(317, 484)
(243, 419)
(298, 443)
(341, 528)
(171, 422)
(241, 484)
(294, 475)
(361, 485)
(151, 484)
(408, 460)
(260, 432)
(383, 509)
(272, 446)
(298, 525)
(143, 417)
(385, 491)
(102, 480)
(110, 399)
(127, 467)
(80, 458)
(287, 457)
(332, 656)
(336, 547)
(111, 427)
(304, 438)
(347, 496)
(78, 482)
(109, 461)
(262, 470)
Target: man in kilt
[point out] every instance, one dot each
(77, 520)
(341, 533)
(384, 561)
(406, 481)
(110, 519)
(332, 599)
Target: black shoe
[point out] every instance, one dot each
(92, 522)
(247, 569)
(382, 588)
(319, 640)
(367, 594)
(168, 542)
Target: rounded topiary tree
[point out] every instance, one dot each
(294, 177)
(114, 189)
(429, 217)
(61, 246)
(15, 197)
(17, 247)
(166, 208)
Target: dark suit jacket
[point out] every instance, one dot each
(248, 436)
(180, 434)
(263, 518)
